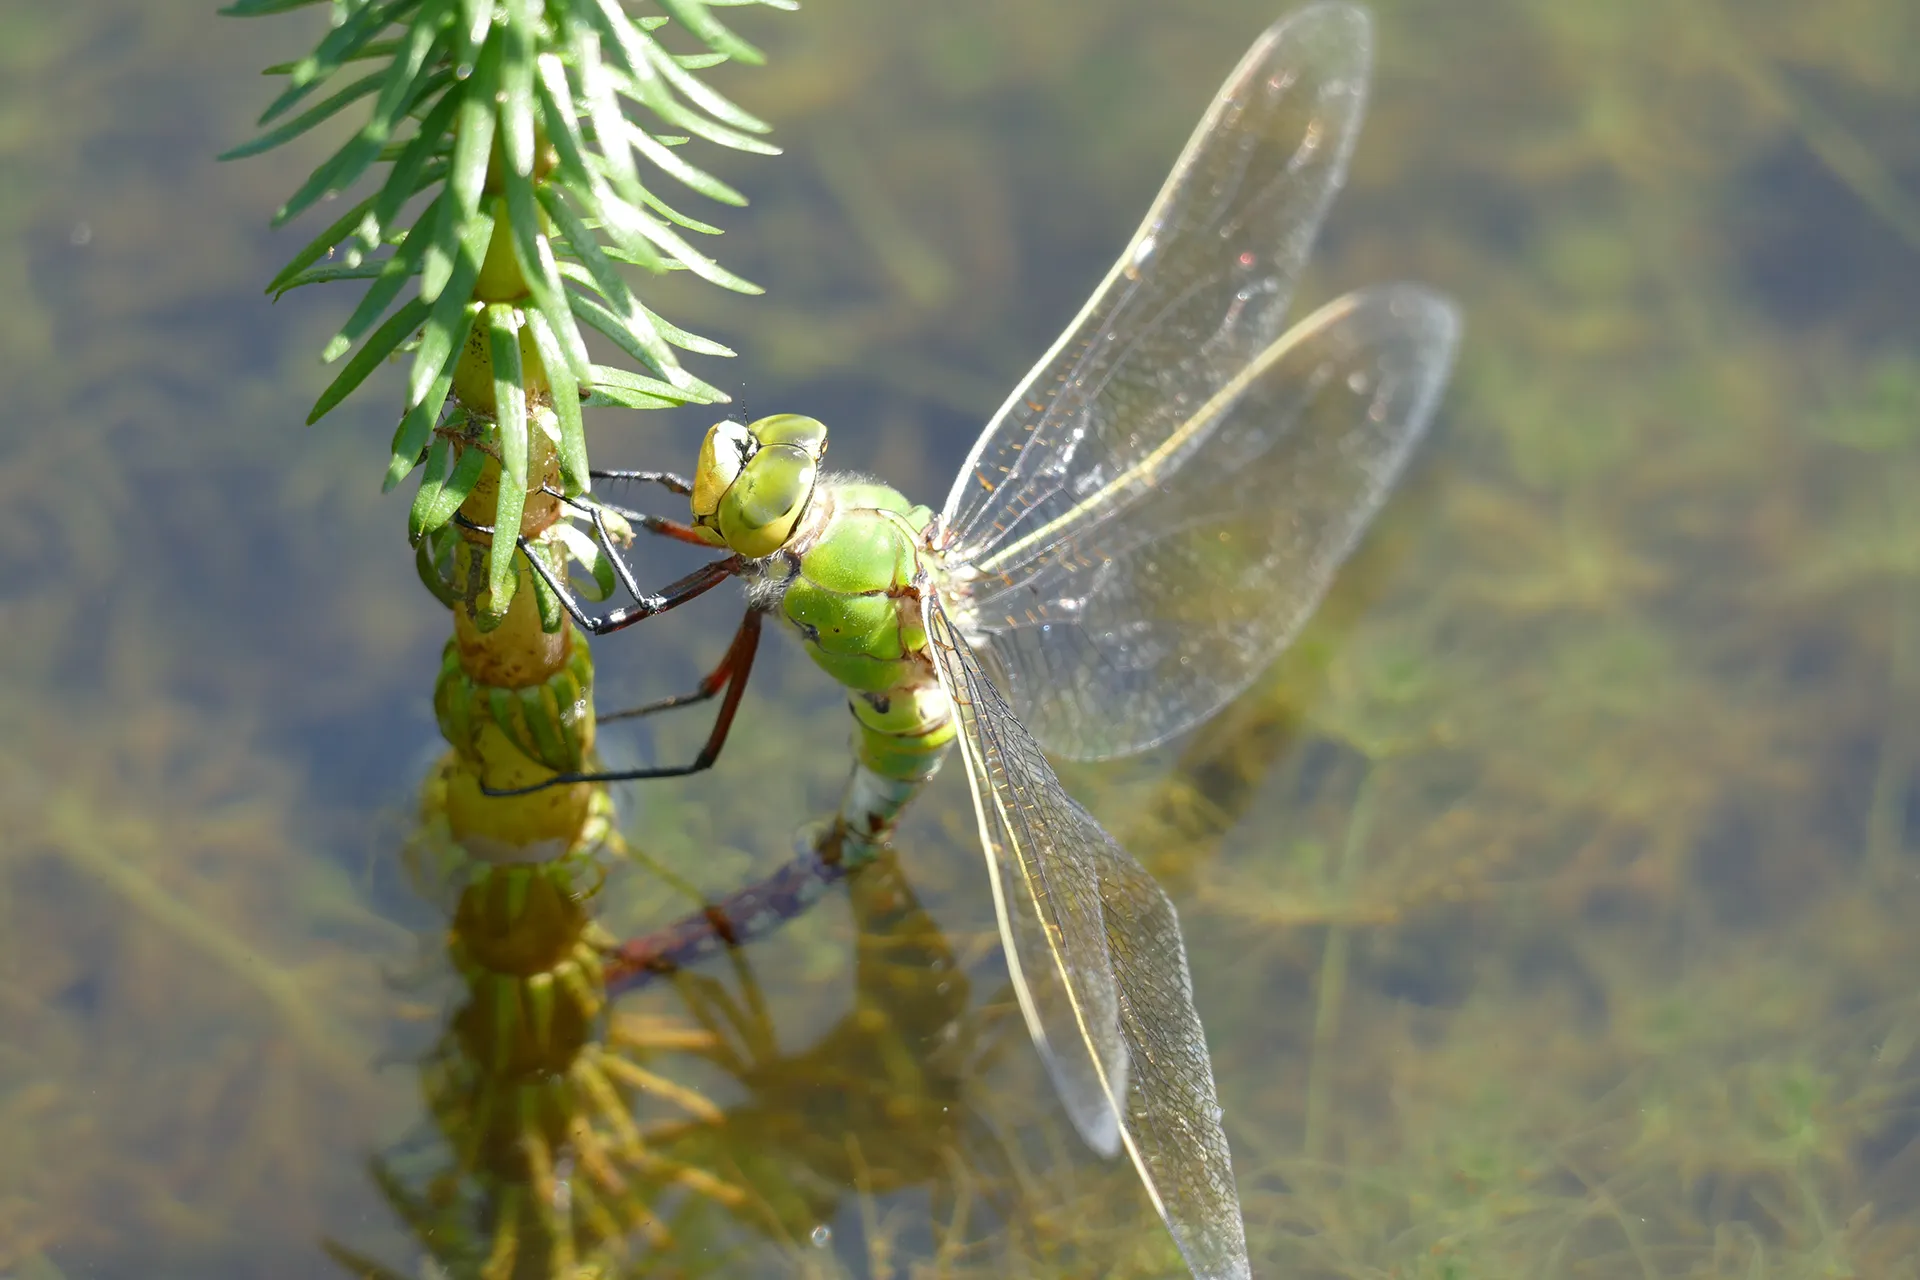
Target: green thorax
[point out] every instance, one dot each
(849, 590)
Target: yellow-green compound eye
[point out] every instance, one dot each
(761, 507)
(809, 435)
(727, 447)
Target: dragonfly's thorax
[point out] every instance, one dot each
(848, 582)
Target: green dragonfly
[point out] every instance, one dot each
(1143, 526)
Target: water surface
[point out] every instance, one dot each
(1550, 906)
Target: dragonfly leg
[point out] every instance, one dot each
(645, 604)
(659, 526)
(710, 686)
(737, 666)
(665, 479)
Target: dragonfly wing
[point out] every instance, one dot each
(1138, 616)
(1200, 291)
(1097, 961)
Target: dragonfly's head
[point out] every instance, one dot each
(754, 481)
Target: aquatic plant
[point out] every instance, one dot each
(508, 202)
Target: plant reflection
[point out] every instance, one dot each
(602, 1149)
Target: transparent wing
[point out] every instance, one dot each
(1095, 953)
(1199, 292)
(1138, 613)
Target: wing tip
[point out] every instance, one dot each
(1436, 312)
(1324, 20)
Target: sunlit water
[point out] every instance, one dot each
(1549, 906)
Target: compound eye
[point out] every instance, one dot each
(809, 435)
(760, 510)
(724, 452)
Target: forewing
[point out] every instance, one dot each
(1136, 618)
(1097, 961)
(1199, 292)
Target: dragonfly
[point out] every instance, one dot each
(1143, 526)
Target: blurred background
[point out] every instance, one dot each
(1549, 906)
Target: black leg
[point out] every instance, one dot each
(657, 525)
(733, 671)
(665, 479)
(645, 605)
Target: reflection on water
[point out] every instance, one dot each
(689, 1137)
(1548, 908)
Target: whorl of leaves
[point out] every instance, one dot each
(457, 85)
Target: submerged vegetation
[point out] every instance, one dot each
(1549, 907)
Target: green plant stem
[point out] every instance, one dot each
(1886, 810)
(79, 838)
(1331, 989)
(1844, 155)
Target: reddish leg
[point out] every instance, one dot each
(731, 675)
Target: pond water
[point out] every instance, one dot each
(1549, 905)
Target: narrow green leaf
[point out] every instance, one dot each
(615, 219)
(705, 183)
(432, 561)
(586, 551)
(293, 128)
(685, 254)
(384, 342)
(634, 334)
(416, 425)
(646, 86)
(541, 727)
(342, 229)
(535, 256)
(410, 168)
(394, 272)
(643, 344)
(403, 81)
(672, 333)
(331, 275)
(374, 49)
(554, 99)
(450, 320)
(580, 239)
(332, 52)
(427, 557)
(693, 15)
(476, 20)
(697, 92)
(603, 110)
(510, 415)
(614, 387)
(262, 8)
(322, 244)
(583, 181)
(660, 264)
(565, 393)
(433, 477)
(516, 87)
(472, 147)
(679, 219)
(686, 341)
(620, 34)
(431, 513)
